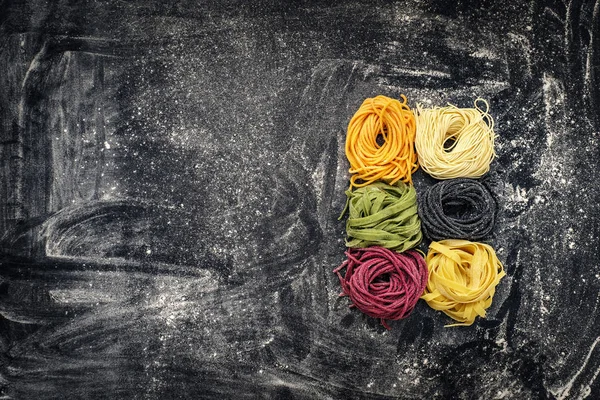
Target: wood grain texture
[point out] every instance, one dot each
(171, 174)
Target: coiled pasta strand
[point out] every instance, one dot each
(380, 142)
(383, 215)
(454, 142)
(462, 279)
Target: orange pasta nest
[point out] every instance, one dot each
(380, 142)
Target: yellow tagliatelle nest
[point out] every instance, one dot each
(462, 279)
(455, 142)
(380, 142)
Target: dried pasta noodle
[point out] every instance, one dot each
(454, 142)
(382, 283)
(462, 279)
(380, 142)
(383, 215)
(458, 209)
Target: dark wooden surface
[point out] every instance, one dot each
(171, 175)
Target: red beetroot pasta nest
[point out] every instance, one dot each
(382, 283)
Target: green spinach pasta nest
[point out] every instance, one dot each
(383, 215)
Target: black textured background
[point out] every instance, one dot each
(171, 173)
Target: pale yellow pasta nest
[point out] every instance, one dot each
(454, 142)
